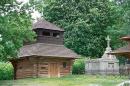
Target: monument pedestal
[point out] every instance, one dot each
(107, 64)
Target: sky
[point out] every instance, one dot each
(23, 1)
(35, 14)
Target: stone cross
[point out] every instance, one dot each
(0, 37)
(108, 41)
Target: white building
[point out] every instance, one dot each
(107, 64)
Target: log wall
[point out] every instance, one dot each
(24, 69)
(40, 67)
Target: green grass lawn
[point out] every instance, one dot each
(72, 80)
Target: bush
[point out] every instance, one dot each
(79, 66)
(6, 71)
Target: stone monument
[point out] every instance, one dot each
(107, 64)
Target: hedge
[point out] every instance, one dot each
(79, 66)
(6, 71)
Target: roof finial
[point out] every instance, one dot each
(0, 37)
(108, 41)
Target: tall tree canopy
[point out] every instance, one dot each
(15, 27)
(86, 23)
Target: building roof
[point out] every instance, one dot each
(126, 38)
(122, 51)
(41, 23)
(46, 50)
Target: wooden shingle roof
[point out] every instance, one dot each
(126, 38)
(46, 50)
(125, 49)
(41, 23)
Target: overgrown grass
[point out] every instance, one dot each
(6, 71)
(72, 80)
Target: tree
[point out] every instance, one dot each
(15, 27)
(86, 23)
(122, 27)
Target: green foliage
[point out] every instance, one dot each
(121, 28)
(85, 23)
(6, 71)
(79, 66)
(15, 28)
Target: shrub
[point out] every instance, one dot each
(79, 66)
(6, 71)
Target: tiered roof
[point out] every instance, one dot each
(123, 51)
(42, 23)
(45, 49)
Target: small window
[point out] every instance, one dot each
(46, 33)
(57, 35)
(64, 64)
(111, 65)
(128, 61)
(43, 67)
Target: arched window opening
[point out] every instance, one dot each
(57, 35)
(46, 33)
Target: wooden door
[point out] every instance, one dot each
(53, 70)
